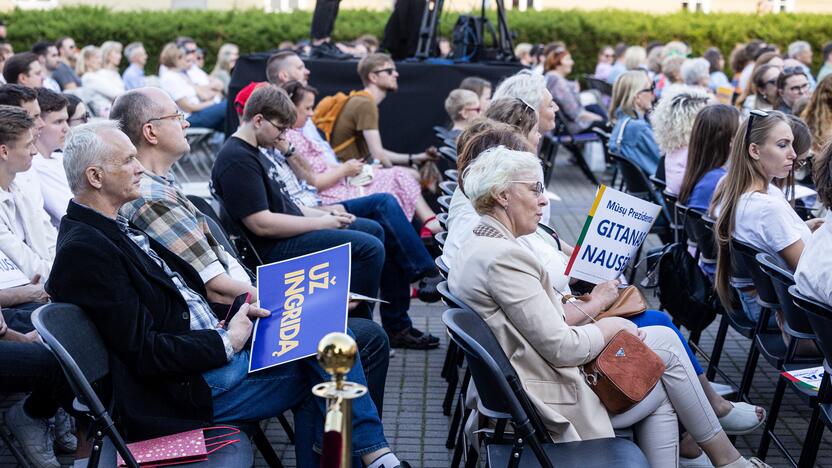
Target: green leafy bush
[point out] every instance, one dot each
(583, 31)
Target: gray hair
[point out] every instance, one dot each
(132, 48)
(132, 110)
(492, 172)
(524, 85)
(797, 47)
(674, 115)
(695, 70)
(85, 148)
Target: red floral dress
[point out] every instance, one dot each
(394, 180)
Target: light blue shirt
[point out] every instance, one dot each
(133, 77)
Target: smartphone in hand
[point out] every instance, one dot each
(236, 305)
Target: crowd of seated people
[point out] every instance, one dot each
(100, 197)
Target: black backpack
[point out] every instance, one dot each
(685, 292)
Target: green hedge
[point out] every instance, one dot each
(253, 30)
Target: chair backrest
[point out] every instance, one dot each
(448, 153)
(444, 202)
(443, 268)
(447, 297)
(440, 238)
(451, 174)
(745, 259)
(599, 85)
(703, 233)
(490, 369)
(205, 207)
(448, 187)
(820, 317)
(443, 220)
(681, 213)
(246, 252)
(795, 319)
(635, 180)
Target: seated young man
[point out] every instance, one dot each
(48, 163)
(175, 367)
(165, 214)
(252, 192)
(355, 134)
(26, 235)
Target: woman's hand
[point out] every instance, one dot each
(352, 167)
(609, 326)
(605, 294)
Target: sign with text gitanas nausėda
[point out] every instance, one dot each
(308, 298)
(615, 228)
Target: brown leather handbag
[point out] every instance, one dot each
(630, 302)
(624, 372)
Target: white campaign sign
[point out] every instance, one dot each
(614, 230)
(10, 274)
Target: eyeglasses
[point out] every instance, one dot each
(281, 130)
(537, 186)
(178, 116)
(83, 119)
(389, 71)
(759, 114)
(190, 51)
(651, 89)
(801, 88)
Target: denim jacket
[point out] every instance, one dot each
(637, 142)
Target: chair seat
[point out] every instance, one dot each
(600, 453)
(773, 349)
(740, 323)
(826, 414)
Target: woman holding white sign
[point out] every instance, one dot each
(512, 291)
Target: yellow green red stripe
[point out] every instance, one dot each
(584, 230)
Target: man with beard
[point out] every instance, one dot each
(355, 133)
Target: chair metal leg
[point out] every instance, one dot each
(265, 447)
(457, 421)
(16, 453)
(748, 373)
(287, 428)
(450, 354)
(768, 431)
(716, 352)
(460, 446)
(812, 442)
(453, 379)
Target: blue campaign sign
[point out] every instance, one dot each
(308, 298)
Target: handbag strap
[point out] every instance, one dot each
(212, 447)
(574, 301)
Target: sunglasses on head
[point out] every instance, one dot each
(755, 114)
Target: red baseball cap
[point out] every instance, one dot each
(244, 94)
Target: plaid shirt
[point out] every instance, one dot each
(165, 213)
(202, 318)
(298, 190)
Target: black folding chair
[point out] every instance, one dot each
(246, 252)
(598, 85)
(73, 339)
(574, 143)
(448, 153)
(444, 202)
(205, 207)
(451, 174)
(820, 318)
(440, 239)
(500, 392)
(443, 220)
(448, 187)
(796, 325)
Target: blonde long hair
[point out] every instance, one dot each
(744, 172)
(624, 92)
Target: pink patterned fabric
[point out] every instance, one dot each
(395, 180)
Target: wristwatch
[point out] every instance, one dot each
(289, 152)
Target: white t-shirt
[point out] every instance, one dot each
(813, 276)
(177, 85)
(462, 219)
(767, 221)
(53, 185)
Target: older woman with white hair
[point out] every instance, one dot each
(696, 72)
(672, 123)
(530, 88)
(506, 285)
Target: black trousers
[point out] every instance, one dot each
(323, 19)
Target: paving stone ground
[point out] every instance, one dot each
(413, 419)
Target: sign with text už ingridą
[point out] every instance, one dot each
(308, 298)
(616, 227)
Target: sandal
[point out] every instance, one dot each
(426, 232)
(702, 461)
(743, 462)
(742, 419)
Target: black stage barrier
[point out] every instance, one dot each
(407, 116)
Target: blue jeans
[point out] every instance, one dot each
(753, 309)
(212, 117)
(367, 256)
(240, 396)
(407, 259)
(655, 317)
(374, 350)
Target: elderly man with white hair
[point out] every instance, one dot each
(178, 367)
(802, 52)
(133, 75)
(531, 89)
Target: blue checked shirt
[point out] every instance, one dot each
(202, 318)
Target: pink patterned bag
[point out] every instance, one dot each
(177, 449)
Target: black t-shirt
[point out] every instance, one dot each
(247, 182)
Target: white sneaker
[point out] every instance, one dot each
(34, 436)
(63, 432)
